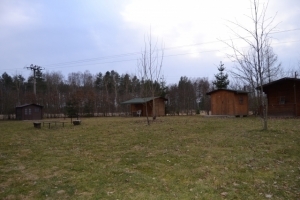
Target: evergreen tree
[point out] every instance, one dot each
(221, 81)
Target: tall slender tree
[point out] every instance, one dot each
(149, 66)
(6, 94)
(253, 66)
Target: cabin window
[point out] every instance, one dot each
(29, 111)
(241, 100)
(282, 100)
(26, 112)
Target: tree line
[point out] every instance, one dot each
(100, 94)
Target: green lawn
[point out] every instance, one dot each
(187, 157)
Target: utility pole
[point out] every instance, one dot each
(34, 68)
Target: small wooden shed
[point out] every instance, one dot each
(283, 97)
(143, 104)
(29, 112)
(229, 102)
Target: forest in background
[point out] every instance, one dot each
(101, 94)
(97, 95)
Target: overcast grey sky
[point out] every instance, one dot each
(103, 35)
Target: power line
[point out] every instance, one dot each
(34, 68)
(168, 48)
(180, 54)
(93, 59)
(85, 62)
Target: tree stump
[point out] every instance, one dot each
(76, 122)
(37, 124)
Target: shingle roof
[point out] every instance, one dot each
(24, 105)
(278, 81)
(235, 91)
(140, 100)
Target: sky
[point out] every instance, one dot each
(103, 35)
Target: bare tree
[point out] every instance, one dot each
(258, 63)
(187, 95)
(202, 87)
(149, 67)
(53, 96)
(18, 81)
(115, 85)
(293, 71)
(273, 69)
(173, 99)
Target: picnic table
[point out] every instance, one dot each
(54, 122)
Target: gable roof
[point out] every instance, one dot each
(279, 81)
(234, 91)
(141, 100)
(29, 104)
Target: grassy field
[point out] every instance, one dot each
(173, 158)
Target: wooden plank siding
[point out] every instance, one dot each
(283, 97)
(229, 102)
(29, 112)
(241, 104)
(146, 103)
(159, 107)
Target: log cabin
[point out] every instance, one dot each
(283, 97)
(29, 112)
(139, 106)
(229, 102)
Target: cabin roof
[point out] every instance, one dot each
(29, 104)
(286, 79)
(234, 91)
(141, 100)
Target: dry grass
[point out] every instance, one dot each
(174, 158)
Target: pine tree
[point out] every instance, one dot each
(221, 81)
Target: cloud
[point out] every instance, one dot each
(45, 32)
(181, 23)
(17, 14)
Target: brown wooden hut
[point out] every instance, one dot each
(143, 104)
(29, 112)
(229, 102)
(283, 97)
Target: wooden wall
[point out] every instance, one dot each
(229, 103)
(283, 98)
(29, 112)
(159, 107)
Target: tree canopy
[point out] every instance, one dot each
(221, 81)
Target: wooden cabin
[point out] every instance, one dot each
(229, 102)
(146, 104)
(29, 112)
(283, 97)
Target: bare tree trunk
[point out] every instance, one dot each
(148, 121)
(254, 66)
(150, 65)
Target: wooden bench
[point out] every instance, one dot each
(49, 123)
(37, 124)
(62, 123)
